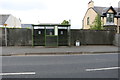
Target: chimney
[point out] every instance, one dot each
(91, 4)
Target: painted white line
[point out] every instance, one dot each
(20, 73)
(101, 54)
(100, 69)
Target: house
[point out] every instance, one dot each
(109, 16)
(9, 20)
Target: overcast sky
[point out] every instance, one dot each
(51, 11)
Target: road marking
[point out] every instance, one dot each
(101, 54)
(100, 69)
(20, 73)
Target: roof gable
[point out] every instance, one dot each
(87, 12)
(99, 9)
(3, 18)
(103, 10)
(111, 8)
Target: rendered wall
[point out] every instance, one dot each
(91, 14)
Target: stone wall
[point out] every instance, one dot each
(23, 37)
(92, 37)
(17, 37)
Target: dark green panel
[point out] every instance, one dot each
(39, 37)
(51, 41)
(62, 37)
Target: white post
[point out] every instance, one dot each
(56, 30)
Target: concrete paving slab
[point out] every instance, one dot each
(42, 50)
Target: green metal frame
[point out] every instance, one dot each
(50, 35)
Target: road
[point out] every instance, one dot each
(61, 66)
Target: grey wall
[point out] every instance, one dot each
(117, 40)
(92, 37)
(23, 37)
(17, 37)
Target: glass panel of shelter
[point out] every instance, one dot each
(50, 31)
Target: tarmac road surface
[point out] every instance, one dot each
(61, 66)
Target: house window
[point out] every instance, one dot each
(88, 21)
(110, 18)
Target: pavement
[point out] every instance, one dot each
(37, 50)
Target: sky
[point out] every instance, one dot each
(51, 11)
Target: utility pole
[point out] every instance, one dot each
(5, 35)
(69, 33)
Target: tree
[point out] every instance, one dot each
(65, 22)
(97, 24)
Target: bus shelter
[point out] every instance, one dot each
(51, 35)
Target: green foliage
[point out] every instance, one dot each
(65, 22)
(97, 24)
(28, 28)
